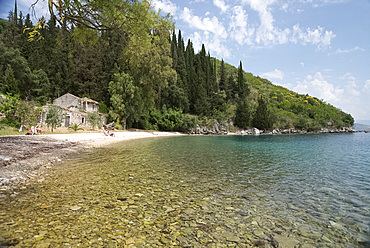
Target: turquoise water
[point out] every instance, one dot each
(200, 191)
(317, 183)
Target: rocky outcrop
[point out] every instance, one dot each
(255, 131)
(215, 129)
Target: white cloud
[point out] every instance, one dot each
(348, 77)
(243, 31)
(317, 3)
(209, 31)
(269, 34)
(367, 85)
(212, 43)
(351, 84)
(317, 86)
(316, 36)
(275, 74)
(165, 5)
(206, 24)
(354, 49)
(348, 98)
(238, 27)
(221, 4)
(265, 32)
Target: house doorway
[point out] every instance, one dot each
(67, 121)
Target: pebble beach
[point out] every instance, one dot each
(24, 159)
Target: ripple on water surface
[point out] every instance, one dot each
(308, 190)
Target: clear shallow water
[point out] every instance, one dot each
(318, 180)
(202, 191)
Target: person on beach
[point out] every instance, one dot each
(39, 130)
(111, 134)
(31, 131)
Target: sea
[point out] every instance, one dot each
(313, 187)
(302, 190)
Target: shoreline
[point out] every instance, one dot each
(25, 159)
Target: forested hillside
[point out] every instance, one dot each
(144, 75)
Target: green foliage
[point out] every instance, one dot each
(75, 127)
(27, 113)
(54, 117)
(175, 97)
(243, 115)
(42, 86)
(168, 119)
(103, 108)
(10, 122)
(118, 126)
(94, 119)
(126, 98)
(8, 105)
(262, 117)
(171, 119)
(14, 71)
(189, 122)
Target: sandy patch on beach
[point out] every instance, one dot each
(99, 139)
(25, 158)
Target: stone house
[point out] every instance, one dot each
(75, 110)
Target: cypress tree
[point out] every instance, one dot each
(222, 83)
(242, 115)
(262, 117)
(191, 75)
(200, 92)
(230, 87)
(214, 75)
(181, 65)
(174, 50)
(15, 14)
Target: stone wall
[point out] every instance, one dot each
(68, 101)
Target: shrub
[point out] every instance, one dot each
(54, 117)
(75, 127)
(94, 119)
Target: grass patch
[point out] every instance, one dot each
(6, 130)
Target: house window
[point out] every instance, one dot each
(83, 120)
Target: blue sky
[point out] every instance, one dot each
(319, 47)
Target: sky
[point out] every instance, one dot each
(315, 47)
